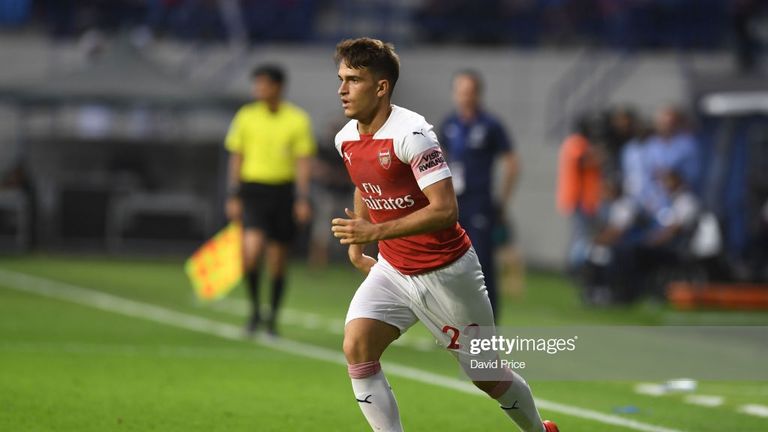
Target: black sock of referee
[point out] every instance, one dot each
(278, 288)
(253, 294)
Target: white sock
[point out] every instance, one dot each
(517, 402)
(375, 397)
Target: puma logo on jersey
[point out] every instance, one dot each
(419, 133)
(348, 157)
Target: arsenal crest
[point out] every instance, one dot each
(385, 159)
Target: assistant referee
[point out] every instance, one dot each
(270, 143)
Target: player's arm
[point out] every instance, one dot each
(441, 212)
(608, 236)
(360, 207)
(356, 252)
(234, 207)
(663, 235)
(302, 208)
(303, 176)
(234, 145)
(305, 150)
(511, 164)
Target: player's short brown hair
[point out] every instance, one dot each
(372, 54)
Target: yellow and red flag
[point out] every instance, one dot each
(216, 267)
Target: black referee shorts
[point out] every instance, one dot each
(269, 208)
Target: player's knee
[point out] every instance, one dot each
(354, 349)
(358, 349)
(253, 244)
(249, 263)
(251, 259)
(277, 270)
(485, 386)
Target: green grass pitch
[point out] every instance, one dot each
(68, 364)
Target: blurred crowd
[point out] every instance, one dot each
(634, 190)
(625, 24)
(259, 20)
(630, 24)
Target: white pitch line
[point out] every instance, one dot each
(107, 302)
(76, 347)
(705, 400)
(287, 316)
(754, 409)
(314, 321)
(650, 389)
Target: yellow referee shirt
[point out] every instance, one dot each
(270, 142)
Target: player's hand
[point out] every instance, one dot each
(354, 230)
(302, 211)
(234, 209)
(362, 262)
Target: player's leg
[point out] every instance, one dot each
(454, 303)
(484, 248)
(254, 245)
(365, 340)
(479, 227)
(477, 221)
(254, 242)
(277, 261)
(516, 400)
(377, 315)
(281, 230)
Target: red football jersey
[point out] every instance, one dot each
(390, 169)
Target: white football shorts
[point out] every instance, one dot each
(449, 301)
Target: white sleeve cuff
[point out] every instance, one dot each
(433, 178)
